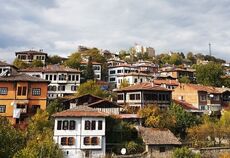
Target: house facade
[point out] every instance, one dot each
(21, 95)
(80, 132)
(64, 81)
(31, 55)
(204, 98)
(142, 94)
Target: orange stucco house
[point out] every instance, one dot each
(21, 95)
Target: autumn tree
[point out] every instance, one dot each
(209, 74)
(124, 83)
(184, 152)
(36, 63)
(91, 87)
(20, 64)
(11, 140)
(74, 61)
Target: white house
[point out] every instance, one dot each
(31, 55)
(115, 71)
(133, 77)
(6, 68)
(96, 69)
(63, 80)
(80, 132)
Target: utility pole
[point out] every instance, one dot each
(210, 51)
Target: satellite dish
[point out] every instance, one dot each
(123, 151)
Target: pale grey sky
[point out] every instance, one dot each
(59, 26)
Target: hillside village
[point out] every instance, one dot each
(95, 103)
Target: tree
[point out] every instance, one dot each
(183, 120)
(20, 64)
(175, 59)
(89, 73)
(209, 74)
(184, 152)
(124, 83)
(55, 59)
(11, 140)
(40, 141)
(184, 79)
(54, 106)
(191, 57)
(74, 61)
(91, 87)
(37, 63)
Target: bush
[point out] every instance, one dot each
(184, 152)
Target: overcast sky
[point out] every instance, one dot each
(59, 26)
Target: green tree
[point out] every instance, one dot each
(74, 61)
(54, 106)
(89, 72)
(184, 152)
(191, 57)
(11, 140)
(184, 79)
(209, 74)
(183, 120)
(55, 59)
(20, 64)
(91, 87)
(37, 63)
(175, 59)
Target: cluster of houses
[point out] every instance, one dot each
(80, 129)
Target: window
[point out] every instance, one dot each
(59, 125)
(47, 77)
(112, 72)
(19, 91)
(65, 125)
(69, 77)
(99, 125)
(216, 97)
(55, 77)
(61, 88)
(73, 77)
(62, 77)
(87, 125)
(23, 90)
(3, 90)
(203, 98)
(2, 108)
(51, 77)
(134, 96)
(162, 149)
(135, 80)
(112, 79)
(91, 141)
(67, 141)
(34, 108)
(77, 78)
(73, 88)
(86, 141)
(93, 125)
(72, 124)
(120, 97)
(94, 141)
(118, 71)
(36, 91)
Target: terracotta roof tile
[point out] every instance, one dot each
(135, 74)
(143, 86)
(167, 82)
(21, 77)
(185, 105)
(80, 111)
(50, 68)
(208, 89)
(155, 136)
(31, 52)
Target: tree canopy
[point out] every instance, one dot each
(209, 74)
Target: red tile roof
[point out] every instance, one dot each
(143, 86)
(135, 74)
(80, 111)
(199, 87)
(33, 52)
(185, 105)
(50, 68)
(167, 82)
(128, 116)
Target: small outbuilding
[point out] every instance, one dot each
(160, 143)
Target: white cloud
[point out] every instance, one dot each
(59, 26)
